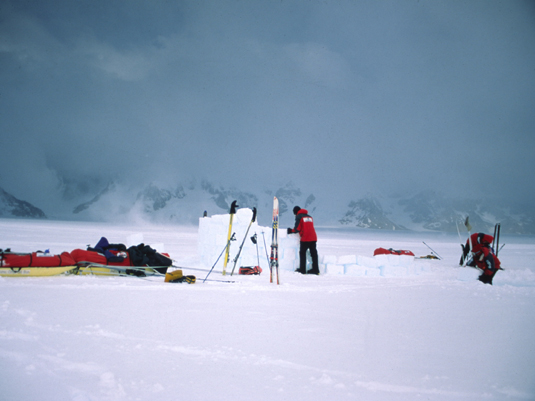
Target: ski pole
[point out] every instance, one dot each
(498, 239)
(494, 238)
(432, 251)
(253, 239)
(219, 281)
(265, 248)
(232, 238)
(243, 242)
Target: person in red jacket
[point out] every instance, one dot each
(483, 256)
(304, 225)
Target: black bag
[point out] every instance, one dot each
(144, 255)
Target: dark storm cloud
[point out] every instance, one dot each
(341, 95)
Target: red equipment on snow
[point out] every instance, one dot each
(250, 270)
(390, 251)
(35, 259)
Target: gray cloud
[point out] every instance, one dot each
(341, 96)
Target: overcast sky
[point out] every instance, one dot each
(339, 96)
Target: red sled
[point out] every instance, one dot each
(34, 264)
(390, 251)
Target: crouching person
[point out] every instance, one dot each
(483, 256)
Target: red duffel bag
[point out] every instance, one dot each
(35, 259)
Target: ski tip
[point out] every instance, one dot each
(467, 224)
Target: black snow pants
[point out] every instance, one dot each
(311, 246)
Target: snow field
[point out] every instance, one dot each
(439, 335)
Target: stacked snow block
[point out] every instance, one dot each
(375, 266)
(213, 235)
(289, 251)
(395, 265)
(350, 265)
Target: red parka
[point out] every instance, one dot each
(304, 225)
(484, 257)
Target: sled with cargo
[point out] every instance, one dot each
(107, 259)
(34, 264)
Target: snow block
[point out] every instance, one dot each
(393, 271)
(347, 259)
(394, 260)
(323, 268)
(134, 239)
(405, 260)
(329, 259)
(288, 265)
(373, 272)
(382, 260)
(334, 269)
(213, 234)
(290, 253)
(468, 274)
(363, 271)
(366, 261)
(355, 270)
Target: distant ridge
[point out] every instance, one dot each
(13, 207)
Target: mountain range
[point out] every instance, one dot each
(13, 207)
(184, 204)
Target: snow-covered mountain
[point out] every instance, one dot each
(431, 210)
(368, 213)
(13, 207)
(185, 203)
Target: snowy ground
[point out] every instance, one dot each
(440, 335)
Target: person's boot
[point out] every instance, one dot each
(485, 278)
(299, 271)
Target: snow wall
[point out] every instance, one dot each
(213, 235)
